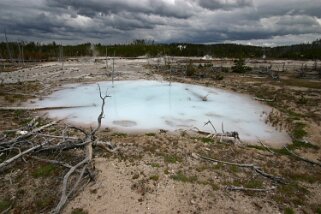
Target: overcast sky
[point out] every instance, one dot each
(257, 22)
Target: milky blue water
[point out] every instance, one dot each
(143, 105)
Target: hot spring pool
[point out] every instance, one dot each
(143, 105)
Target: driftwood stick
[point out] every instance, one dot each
(266, 147)
(30, 133)
(265, 100)
(64, 195)
(80, 177)
(58, 137)
(210, 122)
(303, 159)
(52, 161)
(251, 166)
(235, 188)
(107, 146)
(10, 160)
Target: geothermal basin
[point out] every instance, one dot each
(144, 106)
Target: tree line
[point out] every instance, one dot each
(50, 51)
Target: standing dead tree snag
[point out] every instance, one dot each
(61, 56)
(87, 163)
(8, 47)
(113, 71)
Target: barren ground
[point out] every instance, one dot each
(157, 172)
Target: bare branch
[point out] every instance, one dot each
(235, 188)
(210, 122)
(64, 194)
(6, 162)
(251, 166)
(303, 159)
(267, 148)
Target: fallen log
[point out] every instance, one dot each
(8, 108)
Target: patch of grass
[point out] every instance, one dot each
(44, 202)
(218, 166)
(180, 176)
(166, 171)
(18, 112)
(256, 147)
(282, 151)
(289, 210)
(297, 134)
(234, 169)
(151, 134)
(291, 193)
(4, 204)
(44, 171)
(202, 167)
(79, 211)
(293, 115)
(298, 131)
(214, 186)
(172, 159)
(155, 165)
(154, 177)
(297, 144)
(302, 83)
(307, 177)
(255, 184)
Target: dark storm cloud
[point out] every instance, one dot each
(199, 21)
(224, 4)
(93, 8)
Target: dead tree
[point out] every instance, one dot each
(283, 67)
(106, 60)
(19, 56)
(31, 144)
(22, 55)
(113, 72)
(61, 56)
(8, 48)
(302, 72)
(4, 64)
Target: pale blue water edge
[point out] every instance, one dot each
(144, 105)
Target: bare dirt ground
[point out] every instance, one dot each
(159, 172)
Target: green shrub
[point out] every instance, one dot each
(44, 171)
(239, 66)
(180, 176)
